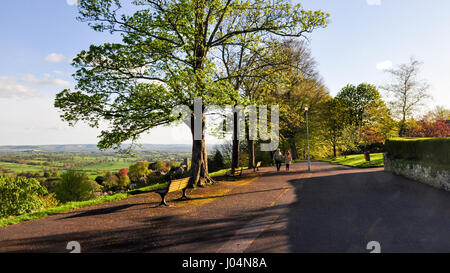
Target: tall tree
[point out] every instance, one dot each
(245, 60)
(165, 60)
(357, 100)
(334, 122)
(263, 68)
(409, 92)
(438, 113)
(293, 83)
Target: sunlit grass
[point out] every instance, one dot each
(376, 160)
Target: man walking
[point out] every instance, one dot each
(278, 158)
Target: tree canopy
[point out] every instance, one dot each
(166, 58)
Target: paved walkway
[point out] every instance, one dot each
(332, 209)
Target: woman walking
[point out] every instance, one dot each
(287, 160)
(278, 158)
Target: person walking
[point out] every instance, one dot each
(278, 158)
(287, 160)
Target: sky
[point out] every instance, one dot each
(39, 39)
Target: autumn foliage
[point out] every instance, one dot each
(123, 172)
(439, 128)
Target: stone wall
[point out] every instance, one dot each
(428, 175)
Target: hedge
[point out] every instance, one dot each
(428, 150)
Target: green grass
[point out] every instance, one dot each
(376, 160)
(89, 164)
(75, 205)
(109, 166)
(16, 167)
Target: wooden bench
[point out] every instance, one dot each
(174, 185)
(256, 168)
(236, 172)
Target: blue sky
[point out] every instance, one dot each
(39, 38)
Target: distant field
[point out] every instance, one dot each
(376, 160)
(110, 166)
(15, 167)
(93, 164)
(76, 162)
(99, 168)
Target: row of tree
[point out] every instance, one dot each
(226, 52)
(171, 53)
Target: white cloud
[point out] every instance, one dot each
(59, 82)
(9, 87)
(58, 72)
(373, 2)
(55, 58)
(72, 2)
(30, 78)
(384, 65)
(36, 121)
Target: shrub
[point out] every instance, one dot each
(114, 182)
(138, 170)
(216, 163)
(50, 184)
(142, 182)
(100, 180)
(19, 195)
(124, 181)
(428, 150)
(439, 128)
(123, 172)
(173, 164)
(49, 200)
(111, 182)
(159, 166)
(153, 180)
(95, 186)
(74, 186)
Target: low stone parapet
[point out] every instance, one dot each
(414, 170)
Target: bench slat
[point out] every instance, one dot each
(237, 171)
(179, 184)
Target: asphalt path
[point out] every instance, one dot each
(331, 209)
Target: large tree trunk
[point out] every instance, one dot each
(250, 144)
(402, 129)
(236, 143)
(199, 166)
(251, 154)
(293, 148)
(334, 149)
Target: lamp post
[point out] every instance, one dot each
(307, 138)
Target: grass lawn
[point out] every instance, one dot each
(376, 160)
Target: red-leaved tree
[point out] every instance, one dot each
(439, 128)
(123, 172)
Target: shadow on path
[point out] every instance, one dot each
(171, 233)
(101, 211)
(343, 212)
